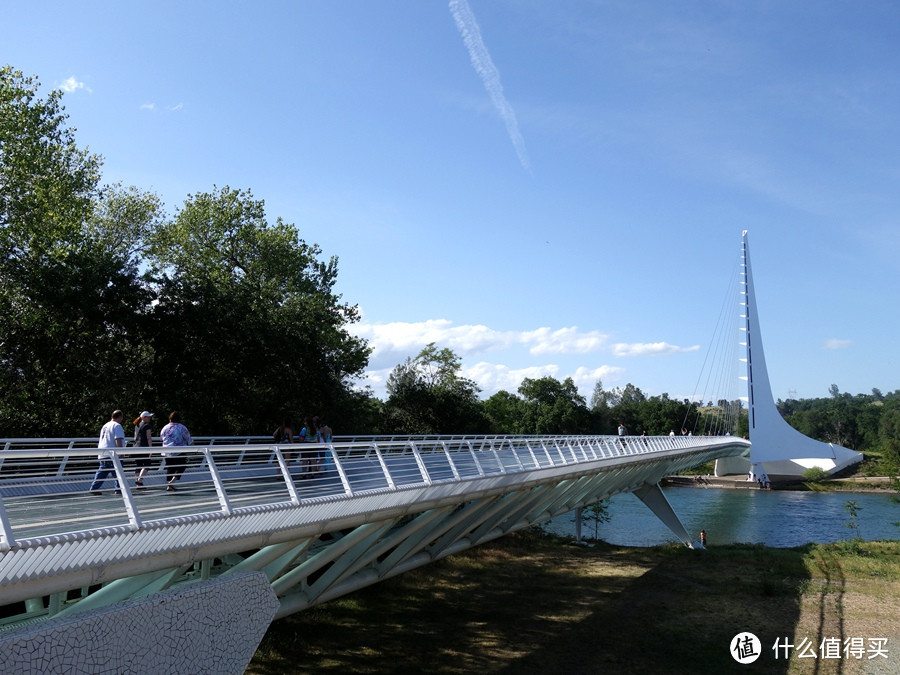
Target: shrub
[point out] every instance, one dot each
(815, 474)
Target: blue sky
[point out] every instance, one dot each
(547, 188)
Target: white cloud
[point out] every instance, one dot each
(833, 343)
(492, 377)
(169, 108)
(72, 85)
(649, 348)
(563, 341)
(407, 339)
(586, 378)
(392, 343)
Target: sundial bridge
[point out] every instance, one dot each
(248, 538)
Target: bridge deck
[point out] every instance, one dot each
(234, 498)
(44, 494)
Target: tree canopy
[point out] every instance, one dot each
(247, 324)
(107, 303)
(65, 290)
(427, 395)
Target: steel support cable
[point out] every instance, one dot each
(720, 336)
(722, 383)
(726, 381)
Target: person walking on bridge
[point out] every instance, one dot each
(112, 435)
(327, 435)
(143, 438)
(285, 434)
(174, 435)
(310, 434)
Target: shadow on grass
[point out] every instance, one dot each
(531, 604)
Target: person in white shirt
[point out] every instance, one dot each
(111, 436)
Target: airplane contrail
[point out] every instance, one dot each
(484, 66)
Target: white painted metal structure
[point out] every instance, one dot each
(778, 449)
(379, 507)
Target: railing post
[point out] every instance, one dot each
(612, 447)
(537, 464)
(420, 462)
(562, 457)
(286, 473)
(133, 516)
(217, 481)
(340, 469)
(7, 540)
(497, 457)
(450, 461)
(583, 454)
(61, 469)
(384, 468)
(571, 450)
(546, 452)
(515, 452)
(475, 459)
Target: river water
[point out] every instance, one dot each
(780, 518)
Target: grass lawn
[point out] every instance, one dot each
(529, 603)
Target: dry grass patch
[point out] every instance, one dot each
(534, 604)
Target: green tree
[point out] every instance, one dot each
(889, 438)
(247, 327)
(553, 407)
(628, 408)
(601, 408)
(68, 283)
(595, 514)
(506, 413)
(853, 510)
(427, 395)
(658, 415)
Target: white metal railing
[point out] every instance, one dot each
(44, 483)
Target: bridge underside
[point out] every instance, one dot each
(315, 549)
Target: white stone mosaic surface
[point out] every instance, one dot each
(207, 627)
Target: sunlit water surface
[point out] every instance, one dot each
(780, 518)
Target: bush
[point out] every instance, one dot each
(815, 474)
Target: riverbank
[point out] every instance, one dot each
(881, 484)
(528, 603)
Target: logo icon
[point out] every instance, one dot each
(745, 648)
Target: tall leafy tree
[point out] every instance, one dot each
(629, 404)
(506, 413)
(427, 395)
(889, 435)
(601, 408)
(554, 407)
(658, 415)
(67, 286)
(247, 326)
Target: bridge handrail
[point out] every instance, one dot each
(239, 477)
